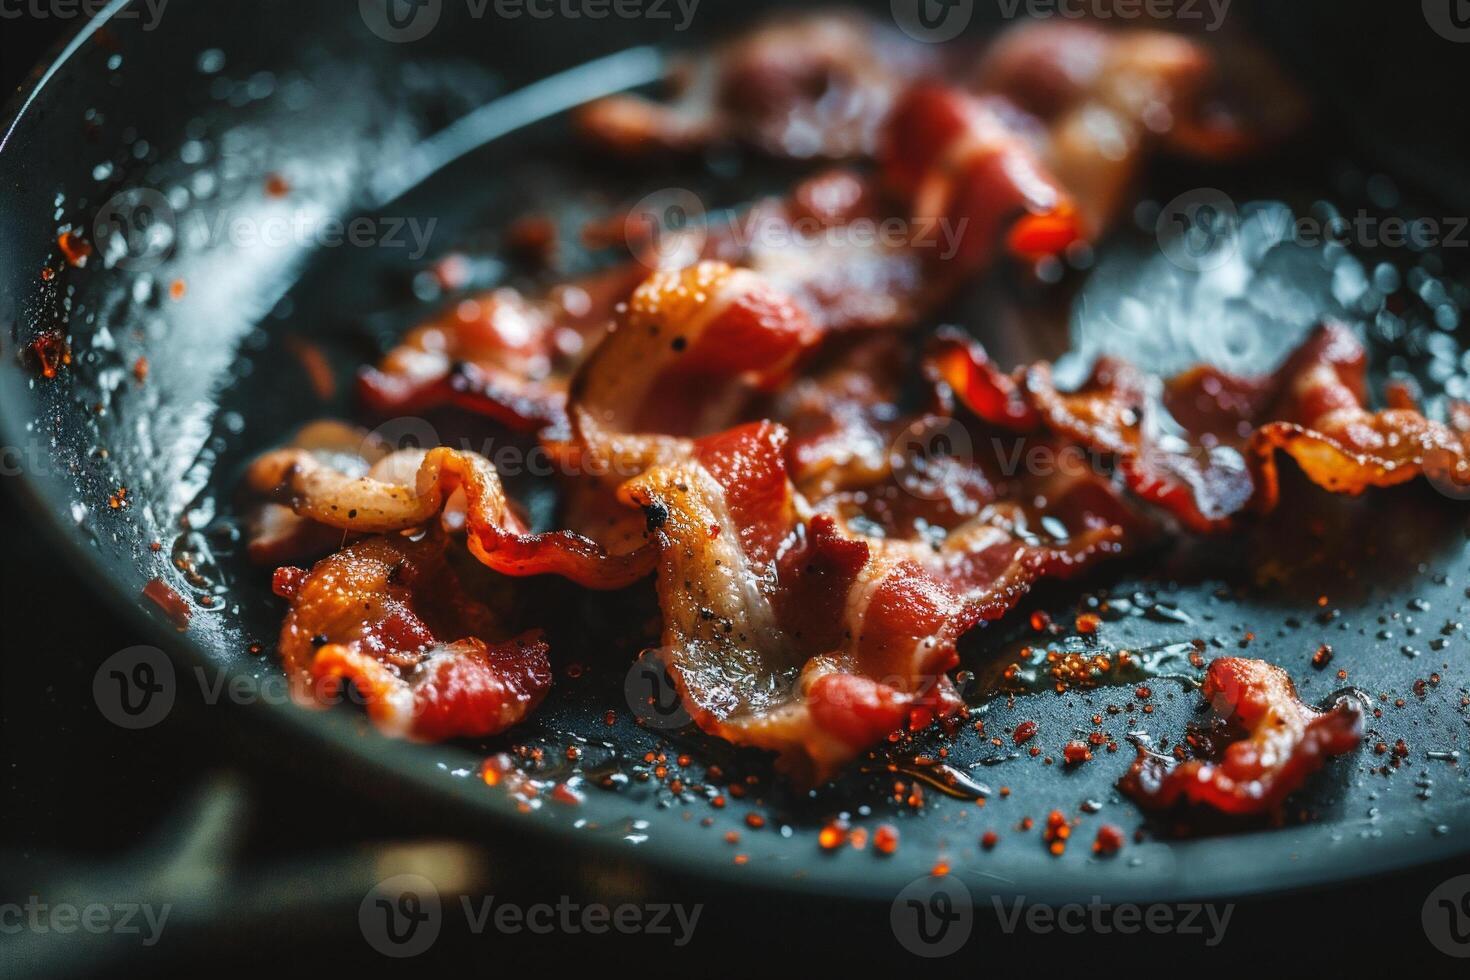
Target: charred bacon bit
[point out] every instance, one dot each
(49, 353)
(495, 534)
(376, 613)
(962, 364)
(1274, 743)
(800, 87)
(169, 602)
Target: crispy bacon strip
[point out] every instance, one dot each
(376, 614)
(1204, 445)
(797, 635)
(810, 86)
(1275, 744)
(496, 534)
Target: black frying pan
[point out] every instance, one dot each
(339, 112)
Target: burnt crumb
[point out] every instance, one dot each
(680, 344)
(319, 640)
(657, 516)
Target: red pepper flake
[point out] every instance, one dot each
(989, 839)
(1088, 624)
(832, 835)
(49, 353)
(140, 369)
(610, 717)
(1109, 841)
(755, 821)
(940, 869)
(276, 185)
(162, 595)
(1056, 833)
(562, 793)
(858, 838)
(742, 858)
(1144, 692)
(1040, 621)
(1025, 731)
(1026, 824)
(885, 839)
(732, 837)
(714, 531)
(1076, 753)
(76, 248)
(1322, 657)
(47, 273)
(177, 289)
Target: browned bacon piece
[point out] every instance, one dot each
(809, 86)
(389, 615)
(1272, 743)
(1204, 445)
(502, 354)
(1107, 96)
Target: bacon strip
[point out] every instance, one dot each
(375, 614)
(1275, 743)
(794, 634)
(496, 534)
(503, 355)
(1203, 446)
(810, 86)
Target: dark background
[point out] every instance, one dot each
(81, 799)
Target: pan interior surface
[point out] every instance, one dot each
(119, 464)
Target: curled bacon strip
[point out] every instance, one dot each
(1275, 744)
(374, 614)
(496, 535)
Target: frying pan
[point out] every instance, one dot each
(207, 104)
